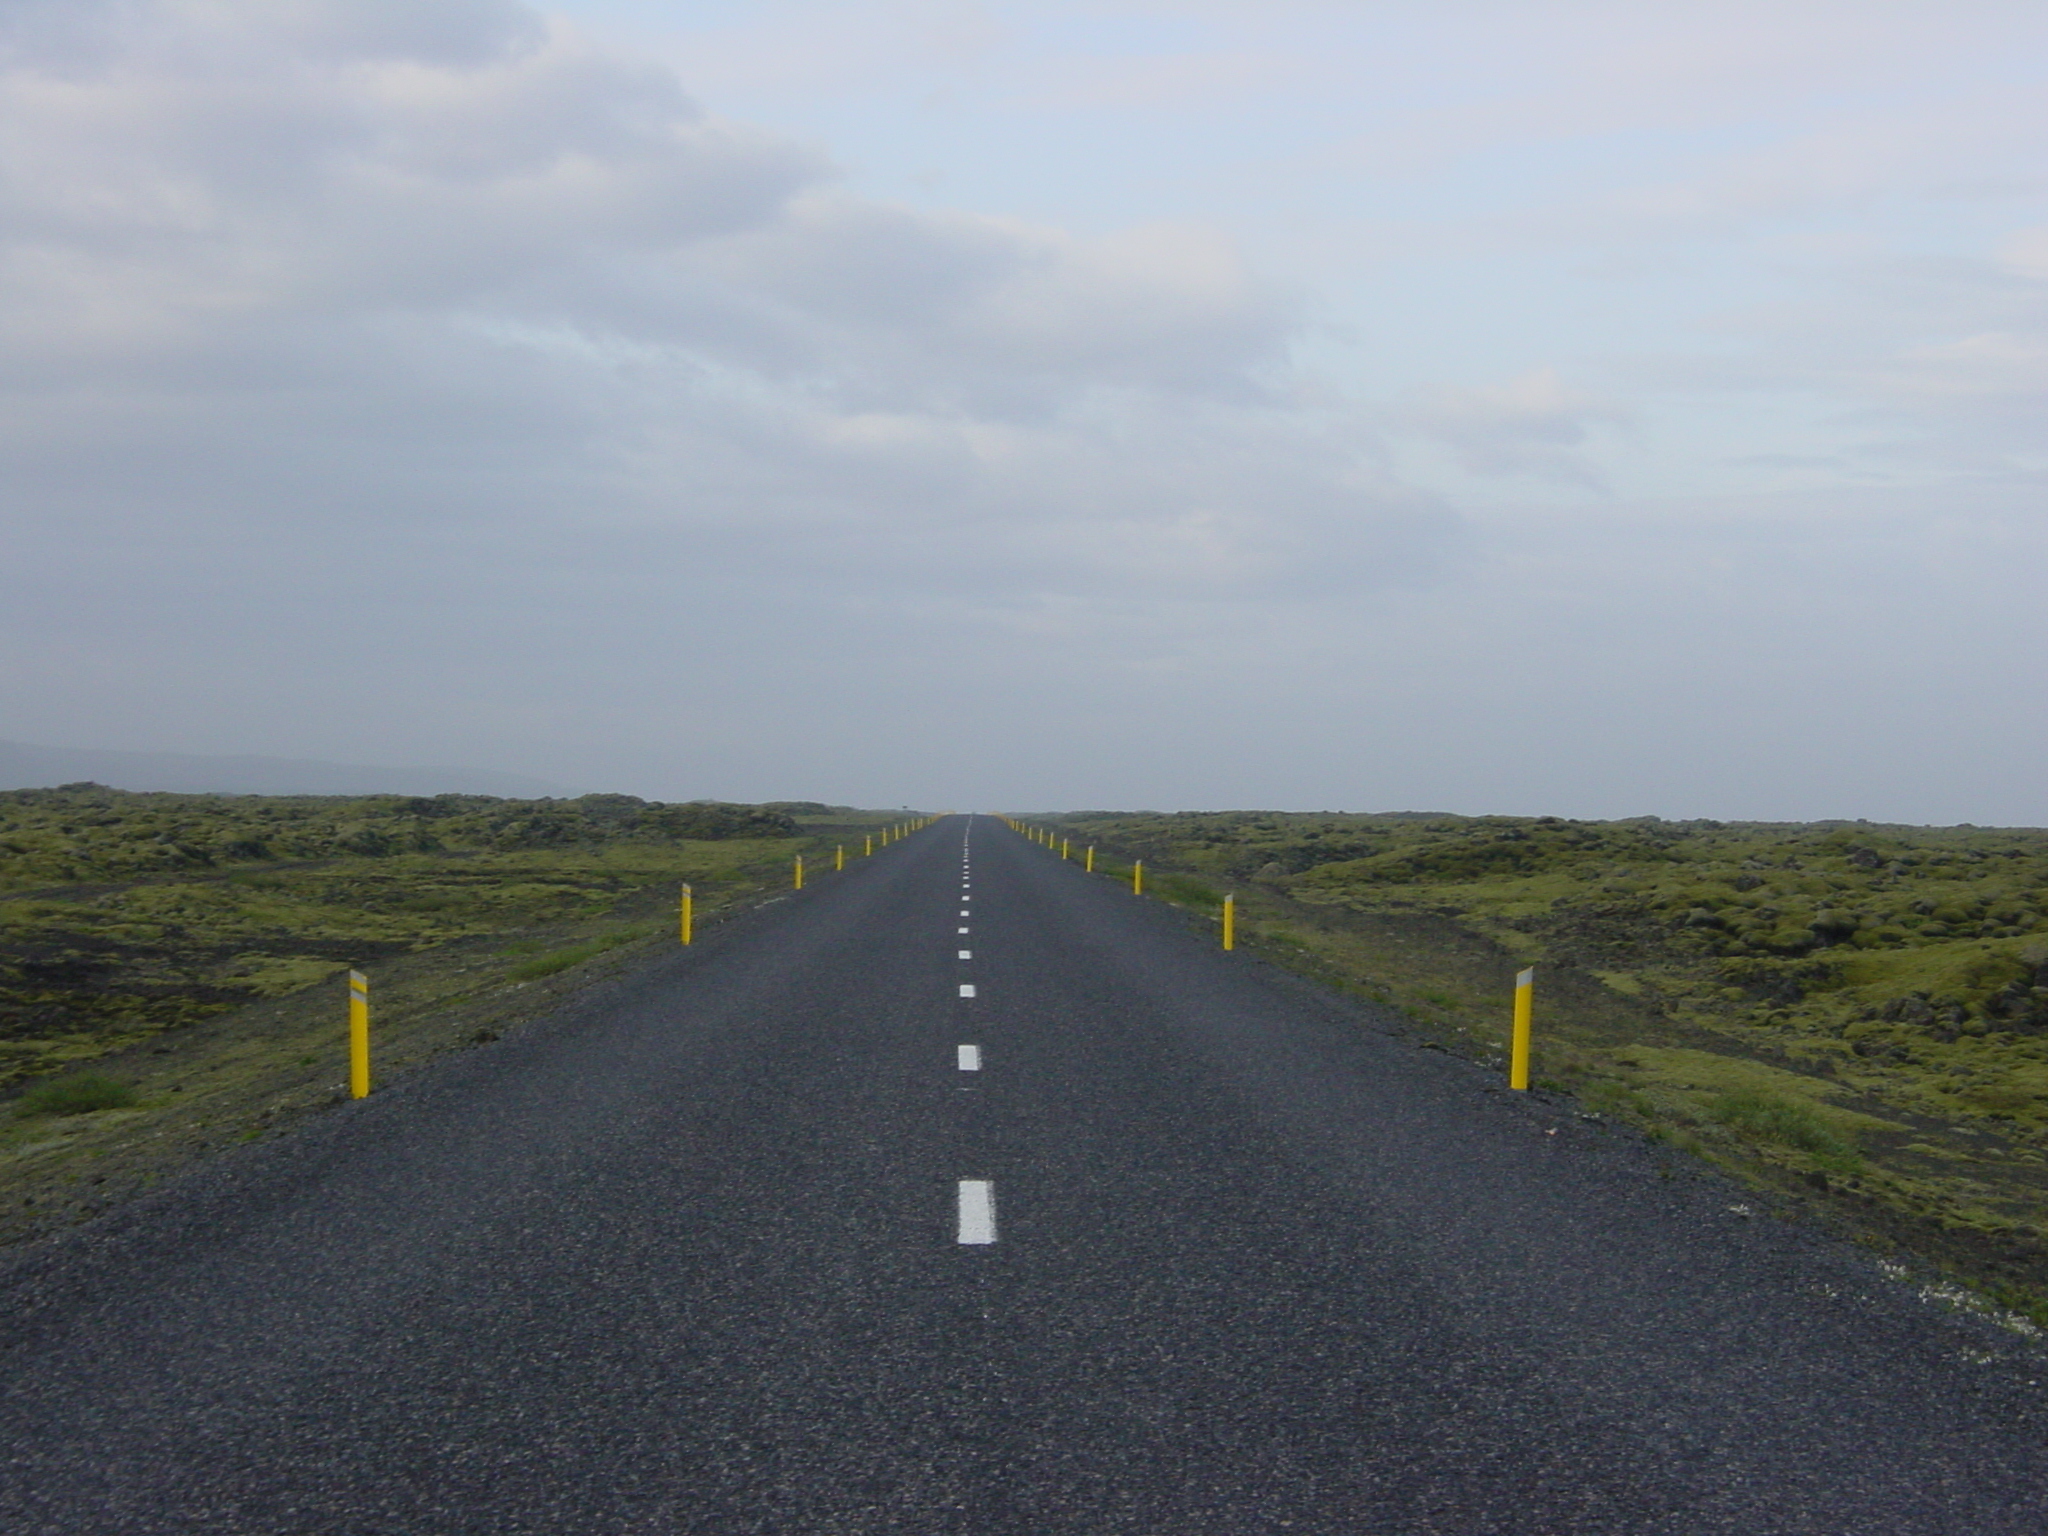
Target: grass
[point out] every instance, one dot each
(1789, 1123)
(81, 1093)
(1185, 890)
(576, 954)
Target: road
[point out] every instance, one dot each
(742, 1244)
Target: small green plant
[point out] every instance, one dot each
(574, 955)
(79, 1094)
(1186, 890)
(1605, 1096)
(1769, 1117)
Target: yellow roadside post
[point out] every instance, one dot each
(358, 1035)
(688, 925)
(1525, 1008)
(1137, 877)
(1230, 921)
(799, 871)
(1063, 850)
(1089, 867)
(868, 851)
(839, 859)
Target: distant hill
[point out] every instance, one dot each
(30, 767)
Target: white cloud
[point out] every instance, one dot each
(503, 335)
(1530, 425)
(443, 359)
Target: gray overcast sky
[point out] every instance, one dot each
(1531, 407)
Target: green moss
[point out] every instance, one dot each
(574, 955)
(80, 1094)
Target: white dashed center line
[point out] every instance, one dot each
(970, 1058)
(963, 914)
(967, 989)
(966, 954)
(977, 1211)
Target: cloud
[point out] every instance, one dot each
(1527, 426)
(441, 323)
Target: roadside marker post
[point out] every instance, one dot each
(1525, 1008)
(1137, 877)
(839, 859)
(1063, 850)
(1089, 868)
(868, 852)
(799, 871)
(1230, 921)
(358, 1035)
(688, 916)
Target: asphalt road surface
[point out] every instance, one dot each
(965, 1193)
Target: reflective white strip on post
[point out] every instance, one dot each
(977, 1211)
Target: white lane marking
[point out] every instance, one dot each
(966, 954)
(967, 989)
(977, 1211)
(963, 914)
(963, 911)
(970, 1058)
